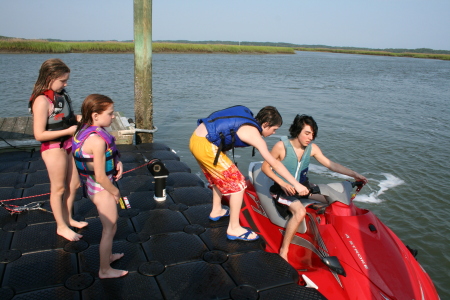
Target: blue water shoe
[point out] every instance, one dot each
(227, 213)
(243, 237)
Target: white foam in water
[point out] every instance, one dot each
(390, 182)
(373, 197)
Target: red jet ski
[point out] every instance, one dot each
(343, 251)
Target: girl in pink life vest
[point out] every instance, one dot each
(54, 123)
(97, 161)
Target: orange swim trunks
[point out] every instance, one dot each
(225, 175)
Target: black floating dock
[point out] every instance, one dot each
(172, 249)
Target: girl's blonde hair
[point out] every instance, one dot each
(51, 69)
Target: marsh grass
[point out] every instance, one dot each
(124, 47)
(42, 46)
(64, 47)
(379, 53)
(213, 48)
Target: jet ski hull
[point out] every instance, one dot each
(373, 263)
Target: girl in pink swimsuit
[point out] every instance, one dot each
(49, 106)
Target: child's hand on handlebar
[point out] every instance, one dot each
(301, 189)
(288, 189)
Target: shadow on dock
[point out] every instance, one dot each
(172, 249)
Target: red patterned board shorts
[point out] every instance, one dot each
(225, 175)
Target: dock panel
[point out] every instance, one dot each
(172, 249)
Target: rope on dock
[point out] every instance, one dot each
(148, 162)
(16, 209)
(38, 204)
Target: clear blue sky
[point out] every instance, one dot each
(359, 23)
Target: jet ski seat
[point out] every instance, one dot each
(262, 185)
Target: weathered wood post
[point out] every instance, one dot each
(143, 98)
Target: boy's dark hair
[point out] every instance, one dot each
(269, 115)
(299, 122)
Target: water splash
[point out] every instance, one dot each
(389, 182)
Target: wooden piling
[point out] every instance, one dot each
(143, 97)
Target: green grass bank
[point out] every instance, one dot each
(379, 53)
(12, 46)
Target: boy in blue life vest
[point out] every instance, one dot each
(221, 131)
(294, 153)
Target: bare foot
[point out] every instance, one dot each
(69, 234)
(115, 256)
(78, 224)
(241, 231)
(112, 273)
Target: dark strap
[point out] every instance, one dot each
(89, 172)
(91, 159)
(233, 140)
(54, 125)
(222, 144)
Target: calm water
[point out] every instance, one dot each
(384, 117)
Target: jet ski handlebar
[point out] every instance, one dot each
(315, 189)
(312, 190)
(359, 184)
(336, 191)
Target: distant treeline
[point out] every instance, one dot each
(16, 45)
